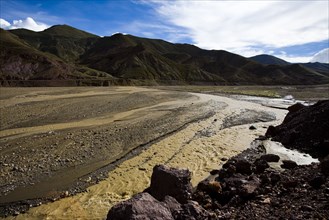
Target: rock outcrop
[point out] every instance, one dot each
(305, 128)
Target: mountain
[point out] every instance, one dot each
(66, 53)
(269, 60)
(66, 42)
(19, 61)
(322, 68)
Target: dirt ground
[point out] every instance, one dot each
(55, 142)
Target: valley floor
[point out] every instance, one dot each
(56, 142)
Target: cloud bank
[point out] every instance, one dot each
(322, 56)
(27, 23)
(245, 26)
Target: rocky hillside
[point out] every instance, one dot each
(20, 61)
(63, 52)
(248, 186)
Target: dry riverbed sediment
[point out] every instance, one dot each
(57, 141)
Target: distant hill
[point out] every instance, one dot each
(322, 68)
(269, 60)
(63, 52)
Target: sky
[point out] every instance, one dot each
(294, 30)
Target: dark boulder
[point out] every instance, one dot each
(252, 127)
(243, 166)
(140, 207)
(288, 164)
(271, 131)
(172, 182)
(270, 157)
(296, 107)
(305, 128)
(261, 165)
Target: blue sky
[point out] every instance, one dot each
(294, 30)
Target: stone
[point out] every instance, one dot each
(212, 187)
(296, 107)
(214, 172)
(142, 206)
(288, 164)
(174, 206)
(172, 182)
(270, 157)
(252, 127)
(248, 189)
(193, 211)
(261, 165)
(243, 166)
(271, 131)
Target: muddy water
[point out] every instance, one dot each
(198, 147)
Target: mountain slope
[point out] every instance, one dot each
(269, 60)
(20, 61)
(63, 41)
(322, 68)
(140, 58)
(78, 54)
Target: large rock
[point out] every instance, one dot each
(261, 165)
(140, 207)
(172, 182)
(270, 157)
(288, 164)
(243, 166)
(305, 128)
(296, 107)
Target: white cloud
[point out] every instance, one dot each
(4, 24)
(153, 29)
(294, 59)
(238, 25)
(322, 56)
(27, 23)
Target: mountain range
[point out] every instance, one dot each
(63, 55)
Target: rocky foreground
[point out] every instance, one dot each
(248, 186)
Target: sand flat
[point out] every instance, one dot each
(199, 147)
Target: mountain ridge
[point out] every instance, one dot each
(322, 68)
(127, 57)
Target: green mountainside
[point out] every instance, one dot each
(65, 53)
